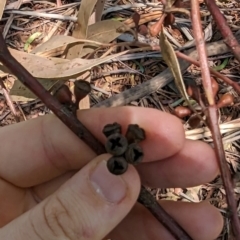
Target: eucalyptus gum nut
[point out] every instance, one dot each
(192, 92)
(135, 133)
(81, 89)
(215, 86)
(116, 144)
(169, 20)
(134, 154)
(117, 165)
(182, 112)
(194, 121)
(64, 95)
(225, 100)
(143, 30)
(110, 129)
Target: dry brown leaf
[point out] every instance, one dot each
(99, 10)
(169, 3)
(170, 58)
(56, 45)
(81, 27)
(50, 69)
(53, 68)
(100, 31)
(20, 93)
(2, 6)
(104, 32)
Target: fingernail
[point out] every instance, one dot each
(111, 187)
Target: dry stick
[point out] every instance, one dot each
(60, 111)
(227, 80)
(11, 18)
(70, 120)
(147, 199)
(20, 109)
(9, 101)
(59, 3)
(158, 81)
(225, 30)
(213, 117)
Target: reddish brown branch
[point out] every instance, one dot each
(213, 117)
(225, 174)
(201, 49)
(70, 120)
(225, 30)
(58, 3)
(227, 80)
(58, 109)
(147, 199)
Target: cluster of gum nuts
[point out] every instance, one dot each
(124, 149)
(225, 100)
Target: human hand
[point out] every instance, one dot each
(41, 158)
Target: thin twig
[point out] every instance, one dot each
(70, 120)
(22, 112)
(135, 5)
(59, 3)
(63, 7)
(9, 101)
(225, 30)
(11, 18)
(201, 49)
(4, 115)
(147, 199)
(44, 15)
(212, 115)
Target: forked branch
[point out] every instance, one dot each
(212, 115)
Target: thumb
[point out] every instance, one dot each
(87, 206)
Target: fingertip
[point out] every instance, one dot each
(164, 132)
(215, 219)
(194, 157)
(166, 136)
(201, 220)
(197, 156)
(211, 168)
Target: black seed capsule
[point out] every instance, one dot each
(110, 129)
(135, 133)
(134, 154)
(81, 89)
(117, 165)
(116, 144)
(64, 95)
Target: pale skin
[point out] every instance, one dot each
(48, 180)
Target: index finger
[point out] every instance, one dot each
(39, 150)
